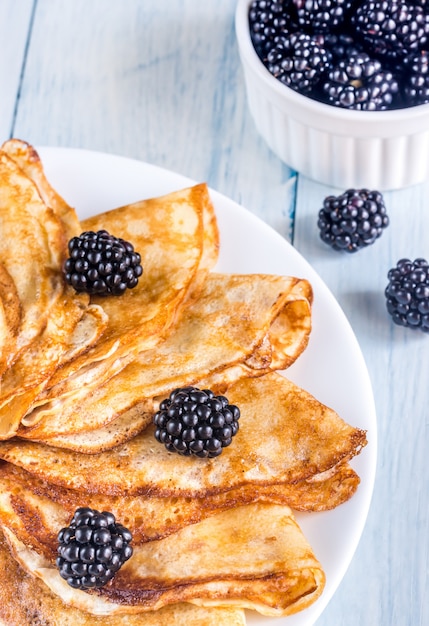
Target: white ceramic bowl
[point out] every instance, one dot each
(375, 149)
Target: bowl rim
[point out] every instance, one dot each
(315, 107)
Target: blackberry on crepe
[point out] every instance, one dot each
(92, 548)
(102, 264)
(196, 422)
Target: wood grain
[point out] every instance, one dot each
(15, 30)
(387, 580)
(163, 86)
(160, 81)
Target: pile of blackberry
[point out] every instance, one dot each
(360, 82)
(298, 61)
(196, 422)
(362, 54)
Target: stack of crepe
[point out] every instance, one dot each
(81, 379)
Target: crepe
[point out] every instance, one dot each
(211, 537)
(70, 330)
(25, 498)
(31, 238)
(178, 252)
(177, 238)
(285, 435)
(240, 325)
(268, 567)
(47, 320)
(127, 425)
(26, 601)
(27, 159)
(10, 317)
(168, 232)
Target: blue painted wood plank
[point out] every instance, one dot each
(161, 82)
(15, 27)
(164, 86)
(387, 581)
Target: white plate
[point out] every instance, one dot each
(332, 367)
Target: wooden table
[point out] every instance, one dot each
(160, 81)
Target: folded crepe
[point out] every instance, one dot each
(25, 601)
(31, 238)
(177, 238)
(10, 317)
(211, 537)
(239, 325)
(285, 435)
(27, 159)
(253, 557)
(47, 321)
(25, 498)
(70, 330)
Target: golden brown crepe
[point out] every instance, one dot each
(80, 380)
(10, 317)
(26, 601)
(51, 320)
(177, 238)
(27, 159)
(268, 566)
(180, 244)
(70, 330)
(285, 436)
(31, 238)
(33, 509)
(239, 325)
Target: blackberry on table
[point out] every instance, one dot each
(196, 422)
(352, 220)
(361, 83)
(407, 294)
(92, 548)
(102, 264)
(391, 28)
(298, 61)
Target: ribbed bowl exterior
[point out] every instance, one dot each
(379, 150)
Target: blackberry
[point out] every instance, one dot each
(353, 220)
(196, 422)
(391, 28)
(102, 264)
(407, 294)
(298, 61)
(361, 83)
(416, 79)
(321, 15)
(340, 45)
(267, 20)
(92, 548)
